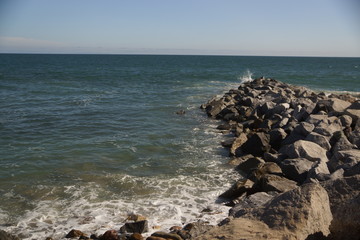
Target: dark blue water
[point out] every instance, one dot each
(87, 138)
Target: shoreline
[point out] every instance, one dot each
(258, 152)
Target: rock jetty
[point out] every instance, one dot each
(297, 152)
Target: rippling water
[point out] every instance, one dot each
(86, 139)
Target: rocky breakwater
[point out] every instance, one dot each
(298, 154)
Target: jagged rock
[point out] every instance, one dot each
(346, 120)
(344, 159)
(319, 171)
(255, 200)
(214, 107)
(7, 236)
(167, 236)
(257, 144)
(335, 105)
(327, 129)
(235, 147)
(238, 160)
(249, 165)
(316, 118)
(271, 182)
(321, 140)
(342, 144)
(305, 149)
(304, 128)
(300, 212)
(265, 168)
(135, 227)
(224, 126)
(75, 234)
(344, 195)
(292, 138)
(276, 137)
(296, 169)
(239, 188)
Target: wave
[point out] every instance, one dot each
(246, 77)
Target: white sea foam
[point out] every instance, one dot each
(246, 77)
(164, 201)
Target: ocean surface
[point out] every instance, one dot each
(86, 140)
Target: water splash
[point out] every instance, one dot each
(246, 77)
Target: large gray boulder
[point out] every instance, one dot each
(344, 195)
(301, 212)
(305, 149)
(296, 169)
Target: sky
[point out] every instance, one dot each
(204, 27)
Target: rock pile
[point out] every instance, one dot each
(299, 153)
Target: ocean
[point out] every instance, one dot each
(88, 139)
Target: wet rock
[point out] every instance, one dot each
(197, 229)
(155, 238)
(136, 236)
(239, 188)
(135, 227)
(180, 112)
(7, 236)
(296, 169)
(257, 144)
(214, 107)
(305, 149)
(110, 235)
(75, 234)
(238, 160)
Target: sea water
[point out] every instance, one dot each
(88, 139)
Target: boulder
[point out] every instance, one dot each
(344, 195)
(235, 149)
(136, 236)
(265, 168)
(296, 169)
(276, 137)
(135, 227)
(257, 144)
(320, 140)
(214, 107)
(249, 165)
(271, 182)
(110, 235)
(344, 159)
(342, 144)
(319, 171)
(301, 212)
(345, 120)
(255, 200)
(239, 188)
(305, 149)
(335, 105)
(304, 128)
(238, 160)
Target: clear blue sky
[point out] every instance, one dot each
(225, 27)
